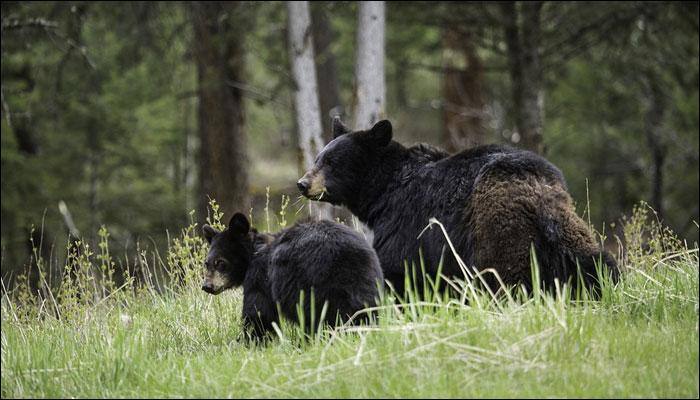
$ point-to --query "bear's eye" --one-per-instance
(219, 262)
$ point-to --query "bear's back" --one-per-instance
(463, 170)
(438, 183)
(435, 185)
(334, 260)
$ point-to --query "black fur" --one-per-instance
(396, 190)
(329, 259)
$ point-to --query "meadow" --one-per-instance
(155, 333)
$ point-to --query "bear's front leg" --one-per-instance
(258, 315)
(255, 329)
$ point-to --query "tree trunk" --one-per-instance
(370, 90)
(308, 114)
(533, 94)
(401, 83)
(20, 124)
(653, 125)
(369, 97)
(94, 145)
(464, 109)
(327, 79)
(328, 87)
(523, 43)
(218, 50)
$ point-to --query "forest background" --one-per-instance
(131, 115)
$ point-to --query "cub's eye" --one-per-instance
(219, 262)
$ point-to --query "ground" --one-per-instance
(639, 340)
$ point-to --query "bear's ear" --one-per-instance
(339, 128)
(381, 132)
(239, 224)
(209, 232)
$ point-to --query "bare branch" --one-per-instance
(6, 109)
(253, 92)
(445, 69)
(15, 23)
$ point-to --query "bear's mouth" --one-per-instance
(321, 196)
(214, 291)
(317, 196)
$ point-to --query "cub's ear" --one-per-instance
(339, 128)
(381, 132)
(209, 232)
(239, 224)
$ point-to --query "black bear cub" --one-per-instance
(326, 260)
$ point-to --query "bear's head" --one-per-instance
(229, 255)
(349, 165)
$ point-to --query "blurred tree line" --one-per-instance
(131, 114)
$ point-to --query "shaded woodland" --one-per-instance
(132, 115)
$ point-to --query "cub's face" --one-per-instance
(344, 168)
(229, 255)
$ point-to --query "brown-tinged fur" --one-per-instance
(317, 182)
(216, 280)
(506, 214)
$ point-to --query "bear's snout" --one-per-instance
(215, 282)
(312, 184)
(207, 287)
(303, 186)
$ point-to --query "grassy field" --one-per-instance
(92, 339)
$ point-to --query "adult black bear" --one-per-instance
(329, 259)
(494, 201)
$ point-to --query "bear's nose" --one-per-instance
(303, 186)
(208, 288)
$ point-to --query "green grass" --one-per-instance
(639, 340)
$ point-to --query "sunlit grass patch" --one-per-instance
(160, 335)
